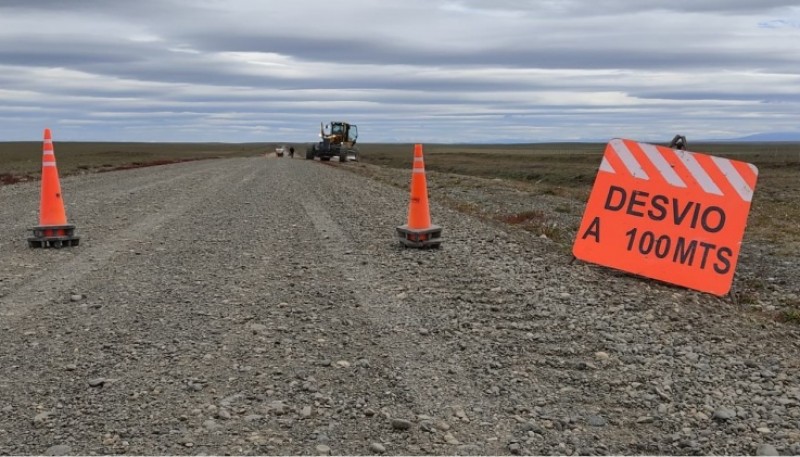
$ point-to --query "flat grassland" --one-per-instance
(568, 170)
(22, 160)
(563, 169)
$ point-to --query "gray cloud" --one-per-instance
(442, 70)
(571, 7)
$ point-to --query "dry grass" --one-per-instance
(557, 168)
(568, 170)
(22, 161)
(792, 315)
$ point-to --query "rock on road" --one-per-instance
(263, 306)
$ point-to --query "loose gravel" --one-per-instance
(264, 306)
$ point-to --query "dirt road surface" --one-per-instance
(263, 306)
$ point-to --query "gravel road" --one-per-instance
(263, 306)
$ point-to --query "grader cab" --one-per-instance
(337, 139)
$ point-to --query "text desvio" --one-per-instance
(657, 207)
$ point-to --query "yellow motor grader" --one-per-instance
(337, 139)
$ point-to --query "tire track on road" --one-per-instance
(412, 357)
(58, 280)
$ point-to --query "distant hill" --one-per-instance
(775, 136)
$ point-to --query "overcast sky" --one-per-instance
(403, 70)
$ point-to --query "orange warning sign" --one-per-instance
(667, 214)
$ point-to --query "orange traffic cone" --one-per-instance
(419, 232)
(53, 230)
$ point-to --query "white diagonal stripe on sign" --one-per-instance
(662, 165)
(605, 166)
(628, 159)
(733, 176)
(697, 171)
(754, 168)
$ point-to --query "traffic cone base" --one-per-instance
(53, 236)
(53, 230)
(430, 237)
